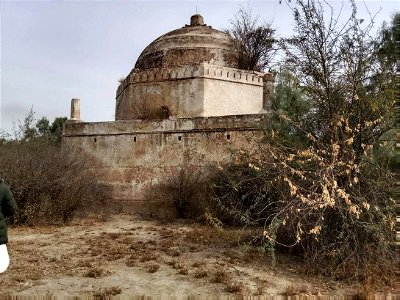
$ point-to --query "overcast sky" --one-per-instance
(52, 51)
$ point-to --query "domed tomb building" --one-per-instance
(184, 106)
(190, 72)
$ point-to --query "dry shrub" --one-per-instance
(147, 256)
(106, 292)
(131, 262)
(176, 264)
(220, 276)
(49, 185)
(341, 226)
(243, 195)
(198, 264)
(181, 195)
(234, 287)
(296, 289)
(183, 271)
(200, 273)
(261, 287)
(96, 272)
(152, 267)
(205, 235)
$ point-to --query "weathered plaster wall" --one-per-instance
(189, 91)
(224, 98)
(180, 97)
(131, 155)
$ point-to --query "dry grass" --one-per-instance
(220, 276)
(96, 272)
(109, 291)
(234, 287)
(183, 271)
(201, 273)
(147, 256)
(298, 289)
(142, 251)
(152, 267)
(261, 287)
(174, 251)
(198, 264)
(176, 264)
(131, 262)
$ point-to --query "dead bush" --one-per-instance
(49, 185)
(243, 195)
(294, 290)
(261, 287)
(220, 276)
(183, 271)
(200, 273)
(104, 293)
(96, 272)
(234, 287)
(152, 267)
(181, 195)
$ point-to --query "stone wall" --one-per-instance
(189, 91)
(132, 155)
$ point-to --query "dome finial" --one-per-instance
(196, 20)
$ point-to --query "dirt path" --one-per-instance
(129, 256)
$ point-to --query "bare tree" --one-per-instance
(254, 42)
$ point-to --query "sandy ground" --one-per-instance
(125, 255)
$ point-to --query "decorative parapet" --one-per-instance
(203, 70)
(232, 74)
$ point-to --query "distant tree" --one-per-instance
(253, 42)
(26, 128)
(56, 128)
(30, 128)
(386, 42)
(43, 126)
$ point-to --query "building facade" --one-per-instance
(184, 104)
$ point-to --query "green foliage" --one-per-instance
(26, 129)
(31, 128)
(244, 194)
(42, 126)
(290, 97)
(321, 183)
(56, 128)
(290, 100)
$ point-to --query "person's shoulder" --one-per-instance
(3, 185)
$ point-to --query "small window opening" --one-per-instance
(228, 136)
(134, 139)
(179, 138)
(95, 140)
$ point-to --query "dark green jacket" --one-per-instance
(7, 209)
